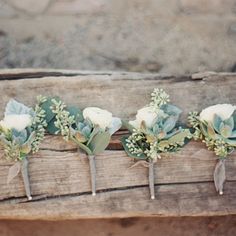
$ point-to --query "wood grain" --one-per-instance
(55, 171)
(123, 93)
(197, 199)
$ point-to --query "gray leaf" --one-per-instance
(15, 108)
(13, 171)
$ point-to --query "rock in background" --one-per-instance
(175, 37)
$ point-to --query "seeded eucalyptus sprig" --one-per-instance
(91, 129)
(216, 127)
(154, 132)
(21, 132)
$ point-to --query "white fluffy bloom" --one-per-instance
(146, 114)
(18, 122)
(97, 116)
(224, 111)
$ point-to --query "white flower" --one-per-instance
(97, 116)
(224, 111)
(146, 114)
(18, 122)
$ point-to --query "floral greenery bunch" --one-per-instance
(90, 129)
(216, 127)
(155, 131)
(21, 132)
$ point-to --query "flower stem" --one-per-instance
(93, 173)
(219, 175)
(25, 175)
(151, 179)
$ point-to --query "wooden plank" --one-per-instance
(56, 171)
(123, 93)
(197, 199)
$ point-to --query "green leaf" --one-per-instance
(76, 112)
(19, 136)
(123, 141)
(171, 110)
(170, 123)
(217, 122)
(230, 122)
(180, 137)
(96, 129)
(225, 131)
(211, 132)
(99, 142)
(51, 128)
(46, 106)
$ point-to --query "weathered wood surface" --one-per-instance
(59, 174)
(172, 200)
(121, 93)
(59, 169)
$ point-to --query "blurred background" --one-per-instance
(166, 36)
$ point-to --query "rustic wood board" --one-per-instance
(59, 174)
(197, 199)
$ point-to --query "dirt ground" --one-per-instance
(184, 226)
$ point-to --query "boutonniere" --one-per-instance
(154, 132)
(90, 129)
(21, 131)
(216, 127)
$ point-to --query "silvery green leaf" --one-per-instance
(96, 129)
(99, 142)
(15, 108)
(230, 122)
(19, 137)
(127, 125)
(86, 131)
(115, 125)
(211, 132)
(171, 109)
(233, 134)
(169, 123)
(217, 122)
(13, 171)
(225, 131)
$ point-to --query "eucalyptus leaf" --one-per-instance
(46, 106)
(76, 112)
(171, 110)
(123, 141)
(99, 142)
(96, 129)
(51, 128)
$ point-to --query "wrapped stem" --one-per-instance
(219, 175)
(92, 173)
(25, 175)
(151, 179)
